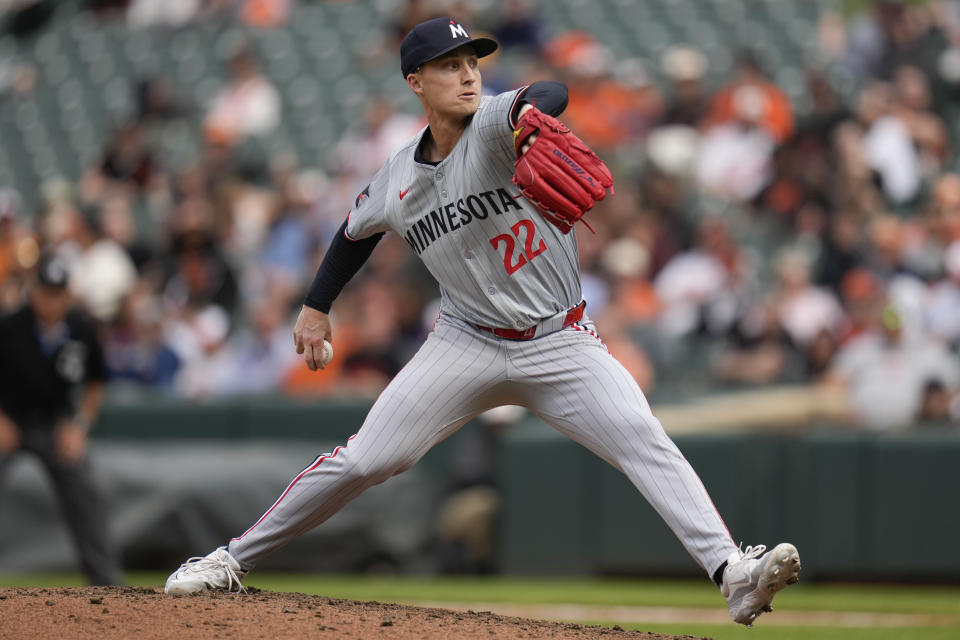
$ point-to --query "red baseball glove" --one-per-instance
(558, 173)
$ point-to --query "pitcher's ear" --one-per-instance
(413, 80)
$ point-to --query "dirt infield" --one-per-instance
(103, 613)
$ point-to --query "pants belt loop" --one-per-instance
(573, 314)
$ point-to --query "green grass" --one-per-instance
(942, 600)
(650, 593)
(45, 580)
(760, 632)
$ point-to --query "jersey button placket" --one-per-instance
(439, 178)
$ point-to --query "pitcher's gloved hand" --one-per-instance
(557, 171)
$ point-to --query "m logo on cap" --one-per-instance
(429, 40)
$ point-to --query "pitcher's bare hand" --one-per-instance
(312, 328)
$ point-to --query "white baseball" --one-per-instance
(326, 353)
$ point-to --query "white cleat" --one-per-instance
(752, 578)
(218, 570)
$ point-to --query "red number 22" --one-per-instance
(529, 231)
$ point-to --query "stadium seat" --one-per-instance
(87, 68)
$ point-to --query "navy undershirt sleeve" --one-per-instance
(548, 96)
(342, 261)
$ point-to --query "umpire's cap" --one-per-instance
(431, 39)
(53, 271)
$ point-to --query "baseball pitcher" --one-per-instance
(488, 195)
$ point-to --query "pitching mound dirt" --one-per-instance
(134, 612)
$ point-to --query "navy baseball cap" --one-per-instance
(431, 39)
(53, 271)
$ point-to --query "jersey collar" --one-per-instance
(418, 154)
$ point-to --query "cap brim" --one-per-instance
(44, 281)
(483, 47)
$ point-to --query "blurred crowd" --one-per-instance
(755, 238)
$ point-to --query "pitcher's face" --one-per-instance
(449, 85)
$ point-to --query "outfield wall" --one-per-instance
(184, 478)
(858, 506)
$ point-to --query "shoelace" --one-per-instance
(198, 563)
(752, 552)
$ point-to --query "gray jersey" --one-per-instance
(498, 262)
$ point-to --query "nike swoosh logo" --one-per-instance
(403, 193)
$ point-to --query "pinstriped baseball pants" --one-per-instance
(567, 378)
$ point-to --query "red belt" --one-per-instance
(575, 314)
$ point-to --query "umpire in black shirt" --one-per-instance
(52, 377)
